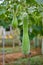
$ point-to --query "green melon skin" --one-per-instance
(25, 41)
(14, 22)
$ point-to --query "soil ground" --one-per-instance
(15, 56)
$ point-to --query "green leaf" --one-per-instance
(2, 11)
(31, 9)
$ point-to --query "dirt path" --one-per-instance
(15, 56)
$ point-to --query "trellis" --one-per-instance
(3, 38)
(3, 41)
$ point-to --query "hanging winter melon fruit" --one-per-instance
(26, 41)
(14, 21)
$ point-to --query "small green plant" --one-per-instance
(37, 60)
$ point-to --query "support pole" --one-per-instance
(3, 41)
(42, 45)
